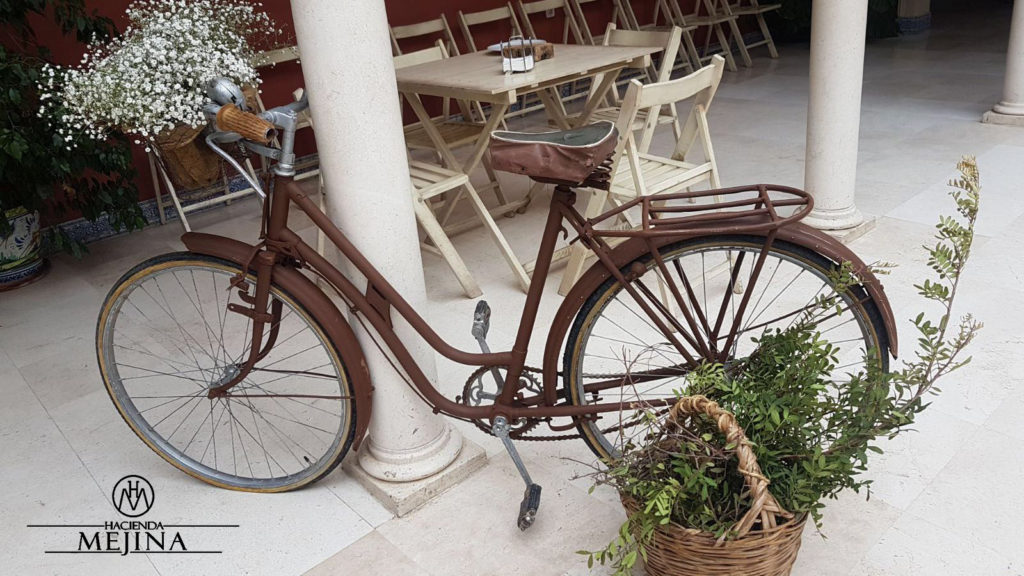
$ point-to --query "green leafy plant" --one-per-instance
(812, 430)
(37, 169)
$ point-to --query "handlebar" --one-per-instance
(233, 123)
(230, 118)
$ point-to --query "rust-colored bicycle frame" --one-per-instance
(660, 225)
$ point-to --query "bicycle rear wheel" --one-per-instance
(615, 353)
(165, 336)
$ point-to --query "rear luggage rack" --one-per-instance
(723, 217)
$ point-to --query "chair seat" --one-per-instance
(429, 180)
(660, 175)
(455, 134)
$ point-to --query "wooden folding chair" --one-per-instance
(625, 19)
(754, 9)
(670, 39)
(437, 27)
(500, 14)
(570, 28)
(636, 171)
(430, 181)
(706, 14)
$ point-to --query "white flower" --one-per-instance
(152, 78)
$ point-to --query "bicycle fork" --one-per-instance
(260, 318)
(500, 428)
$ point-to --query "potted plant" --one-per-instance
(150, 82)
(726, 483)
(41, 174)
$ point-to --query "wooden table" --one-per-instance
(478, 77)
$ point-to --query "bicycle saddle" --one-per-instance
(567, 157)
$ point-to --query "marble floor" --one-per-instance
(944, 500)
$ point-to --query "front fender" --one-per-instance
(313, 298)
(623, 254)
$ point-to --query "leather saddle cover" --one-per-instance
(569, 155)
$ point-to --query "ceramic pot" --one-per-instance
(20, 261)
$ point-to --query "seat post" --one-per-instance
(562, 195)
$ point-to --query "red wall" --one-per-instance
(279, 82)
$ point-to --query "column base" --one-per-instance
(402, 498)
(392, 465)
(994, 117)
(847, 235)
(832, 220)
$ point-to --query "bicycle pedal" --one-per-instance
(481, 321)
(529, 506)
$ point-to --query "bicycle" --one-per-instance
(236, 344)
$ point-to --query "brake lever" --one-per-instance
(214, 138)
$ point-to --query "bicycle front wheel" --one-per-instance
(165, 336)
(616, 353)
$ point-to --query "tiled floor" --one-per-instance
(945, 500)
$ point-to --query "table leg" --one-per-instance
(554, 109)
(597, 97)
(497, 114)
(432, 132)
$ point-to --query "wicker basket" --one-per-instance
(766, 539)
(189, 163)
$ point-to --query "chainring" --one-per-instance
(481, 387)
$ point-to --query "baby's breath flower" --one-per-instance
(152, 77)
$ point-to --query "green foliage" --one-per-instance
(811, 429)
(37, 169)
(792, 22)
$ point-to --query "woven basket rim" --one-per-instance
(675, 527)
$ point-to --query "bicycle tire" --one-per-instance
(255, 399)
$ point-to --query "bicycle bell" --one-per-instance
(223, 91)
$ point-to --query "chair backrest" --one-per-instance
(700, 87)
(570, 29)
(668, 40)
(437, 26)
(506, 13)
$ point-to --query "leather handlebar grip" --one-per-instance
(251, 127)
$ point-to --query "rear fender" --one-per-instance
(623, 254)
(316, 302)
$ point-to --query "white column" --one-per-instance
(833, 112)
(350, 78)
(1010, 110)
